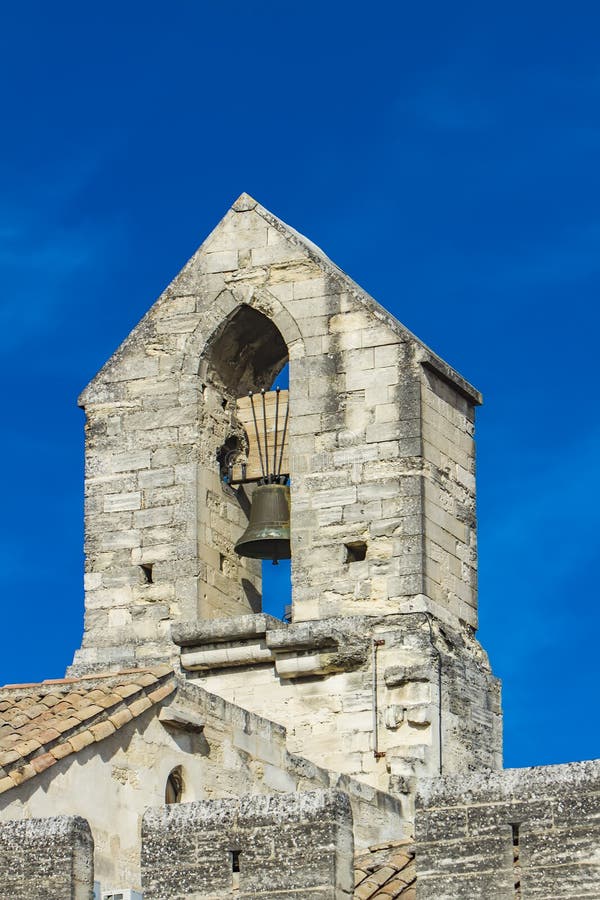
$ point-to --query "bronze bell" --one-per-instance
(268, 533)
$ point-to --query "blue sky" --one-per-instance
(445, 155)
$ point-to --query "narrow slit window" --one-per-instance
(235, 860)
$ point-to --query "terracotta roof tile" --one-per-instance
(87, 712)
(23, 773)
(26, 748)
(161, 692)
(46, 736)
(44, 722)
(385, 872)
(62, 750)
(140, 706)
(81, 739)
(43, 762)
(50, 700)
(109, 700)
(8, 756)
(102, 730)
(66, 724)
(126, 690)
(121, 717)
(145, 679)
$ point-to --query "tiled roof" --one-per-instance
(385, 872)
(42, 723)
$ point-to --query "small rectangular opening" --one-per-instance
(356, 551)
(235, 860)
(147, 573)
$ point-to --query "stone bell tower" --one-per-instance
(381, 649)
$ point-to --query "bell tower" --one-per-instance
(377, 473)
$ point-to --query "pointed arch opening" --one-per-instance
(247, 352)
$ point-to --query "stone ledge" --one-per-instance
(216, 631)
(497, 787)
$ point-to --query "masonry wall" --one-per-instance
(450, 538)
(385, 699)
(228, 752)
(46, 859)
(160, 523)
(294, 846)
(521, 833)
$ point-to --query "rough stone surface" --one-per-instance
(525, 833)
(380, 444)
(112, 776)
(422, 696)
(293, 846)
(46, 859)
(381, 457)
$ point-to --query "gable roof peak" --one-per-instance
(244, 202)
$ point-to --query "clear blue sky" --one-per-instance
(446, 155)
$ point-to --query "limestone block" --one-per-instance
(154, 478)
(159, 515)
(335, 497)
(251, 653)
(355, 322)
(138, 365)
(120, 502)
(120, 540)
(222, 261)
(125, 462)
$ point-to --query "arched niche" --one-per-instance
(245, 352)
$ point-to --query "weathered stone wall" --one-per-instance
(222, 751)
(521, 833)
(384, 699)
(46, 859)
(448, 423)
(382, 513)
(294, 846)
(364, 443)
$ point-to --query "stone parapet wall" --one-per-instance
(521, 833)
(298, 847)
(46, 859)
